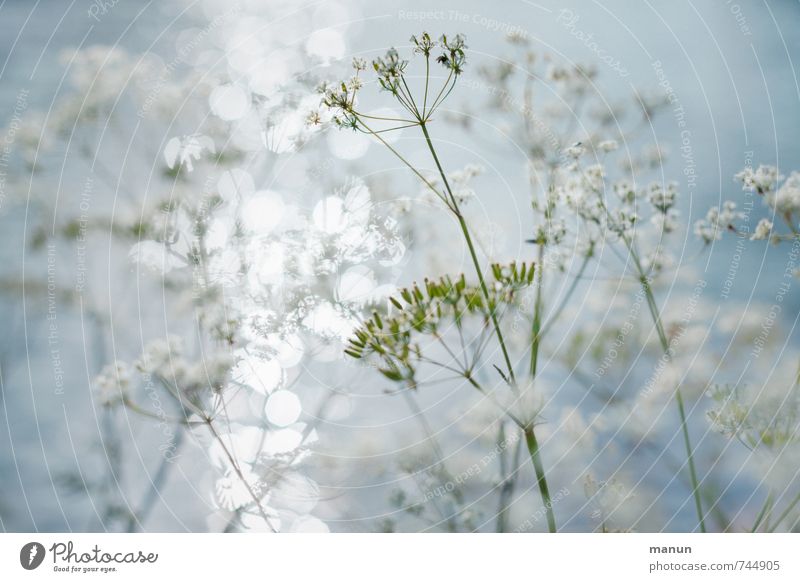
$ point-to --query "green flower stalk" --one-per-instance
(342, 101)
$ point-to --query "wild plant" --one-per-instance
(572, 192)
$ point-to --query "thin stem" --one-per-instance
(239, 474)
(411, 98)
(427, 79)
(533, 449)
(785, 513)
(442, 365)
(401, 98)
(448, 349)
(379, 118)
(399, 127)
(469, 378)
(567, 296)
(436, 105)
(698, 502)
(530, 437)
(536, 335)
(766, 508)
(654, 313)
(139, 410)
(400, 157)
(436, 101)
(465, 230)
(652, 306)
(480, 344)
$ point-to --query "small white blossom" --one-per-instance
(662, 198)
(625, 191)
(595, 175)
(762, 180)
(666, 222)
(763, 230)
(787, 199)
(575, 151)
(608, 145)
(716, 221)
(112, 384)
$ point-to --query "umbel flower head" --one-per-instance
(428, 311)
(780, 195)
(770, 421)
(391, 68)
(452, 56)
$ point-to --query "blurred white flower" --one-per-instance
(763, 230)
(112, 385)
(181, 151)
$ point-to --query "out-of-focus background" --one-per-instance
(730, 68)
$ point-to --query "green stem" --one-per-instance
(427, 79)
(408, 164)
(556, 313)
(234, 465)
(530, 437)
(536, 335)
(465, 230)
(644, 279)
(654, 313)
(533, 449)
(767, 507)
(785, 513)
(698, 501)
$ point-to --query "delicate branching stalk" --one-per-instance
(256, 499)
(644, 280)
(536, 330)
(391, 76)
(784, 514)
(765, 510)
(662, 201)
(556, 313)
(536, 458)
(672, 463)
(475, 262)
(392, 339)
(530, 436)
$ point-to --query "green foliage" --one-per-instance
(425, 311)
